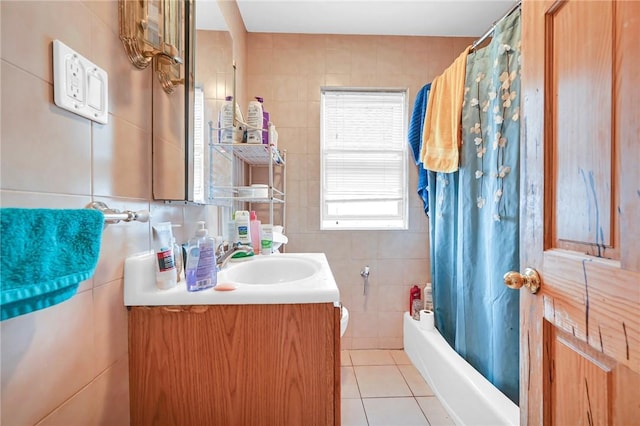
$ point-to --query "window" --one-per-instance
(363, 159)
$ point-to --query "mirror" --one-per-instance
(214, 80)
(181, 155)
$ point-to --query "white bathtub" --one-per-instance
(468, 397)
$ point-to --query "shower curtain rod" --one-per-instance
(493, 27)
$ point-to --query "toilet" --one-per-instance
(344, 319)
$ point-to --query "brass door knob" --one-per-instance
(529, 279)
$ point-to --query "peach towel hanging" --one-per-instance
(441, 134)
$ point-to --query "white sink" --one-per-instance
(278, 278)
(275, 269)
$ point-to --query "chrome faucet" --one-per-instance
(223, 254)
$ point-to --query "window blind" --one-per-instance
(363, 156)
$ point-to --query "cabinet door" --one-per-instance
(234, 365)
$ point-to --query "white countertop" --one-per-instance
(140, 287)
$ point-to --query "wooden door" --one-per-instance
(580, 334)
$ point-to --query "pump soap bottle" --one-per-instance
(201, 270)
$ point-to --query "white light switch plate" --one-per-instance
(79, 85)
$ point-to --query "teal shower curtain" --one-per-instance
(474, 217)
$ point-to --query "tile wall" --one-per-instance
(67, 364)
(288, 71)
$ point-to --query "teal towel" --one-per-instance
(45, 254)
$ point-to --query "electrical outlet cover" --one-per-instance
(79, 85)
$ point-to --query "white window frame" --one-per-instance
(339, 203)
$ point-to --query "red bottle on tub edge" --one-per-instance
(415, 302)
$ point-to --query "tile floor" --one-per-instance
(383, 388)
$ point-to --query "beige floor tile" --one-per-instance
(415, 381)
(400, 357)
(371, 357)
(381, 381)
(393, 411)
(353, 413)
(435, 412)
(345, 359)
(348, 383)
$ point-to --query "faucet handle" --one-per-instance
(222, 248)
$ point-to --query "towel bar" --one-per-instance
(115, 216)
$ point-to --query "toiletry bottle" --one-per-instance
(232, 234)
(243, 230)
(255, 232)
(428, 297)
(254, 120)
(265, 126)
(166, 275)
(266, 239)
(226, 120)
(415, 302)
(201, 269)
(178, 260)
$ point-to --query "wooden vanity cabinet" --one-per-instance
(208, 365)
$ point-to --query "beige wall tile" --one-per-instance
(121, 160)
(394, 298)
(287, 41)
(168, 105)
(364, 324)
(44, 148)
(363, 62)
(283, 61)
(364, 246)
(417, 271)
(263, 85)
(403, 245)
(389, 322)
(314, 82)
(288, 88)
(313, 193)
(338, 80)
(312, 61)
(110, 319)
(47, 356)
(105, 401)
(313, 115)
(294, 196)
(391, 61)
(365, 343)
(260, 41)
(29, 28)
(33, 200)
(338, 61)
(129, 87)
(293, 139)
(168, 166)
(104, 10)
(391, 271)
(390, 342)
(289, 114)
